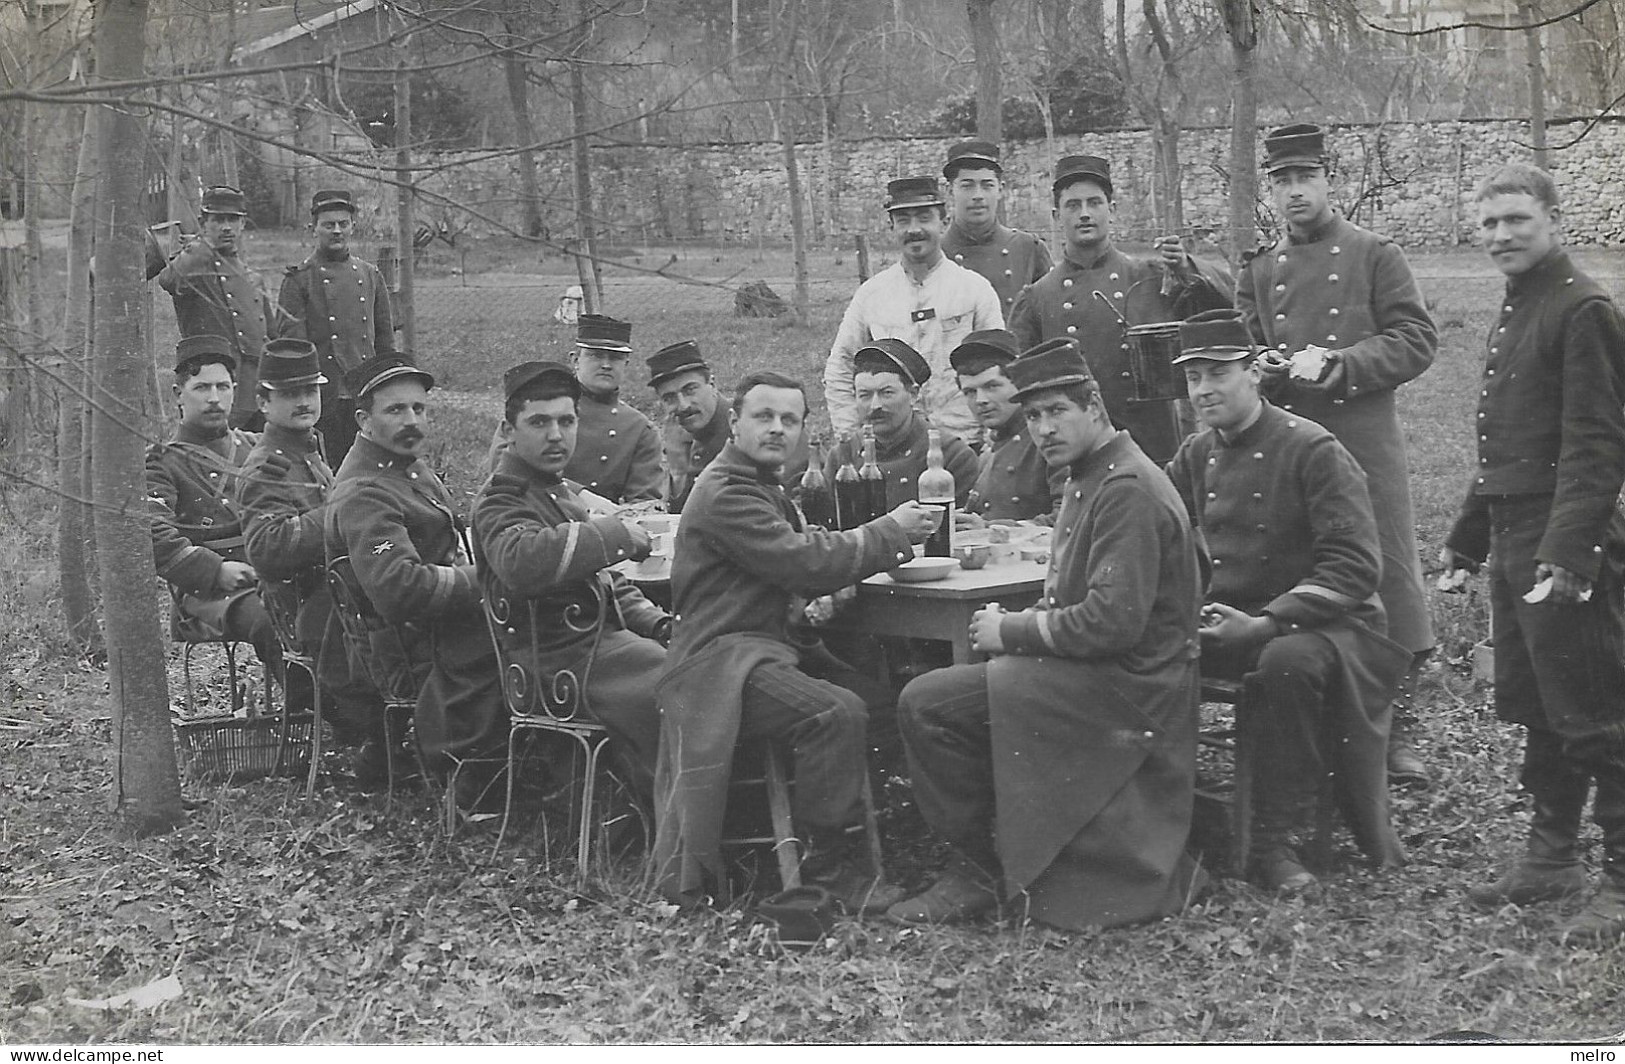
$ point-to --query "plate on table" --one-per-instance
(921, 570)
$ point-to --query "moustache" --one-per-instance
(406, 436)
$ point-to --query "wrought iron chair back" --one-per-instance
(283, 601)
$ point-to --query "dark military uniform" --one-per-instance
(1284, 513)
(1551, 461)
(393, 517)
(687, 455)
(1009, 258)
(617, 451)
(535, 541)
(902, 460)
(196, 528)
(342, 306)
(1351, 291)
(1015, 483)
(282, 491)
(217, 295)
(1063, 304)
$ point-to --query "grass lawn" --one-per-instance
(344, 919)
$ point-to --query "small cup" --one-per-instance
(973, 557)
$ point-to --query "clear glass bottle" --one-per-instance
(936, 488)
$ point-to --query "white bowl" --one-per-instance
(921, 570)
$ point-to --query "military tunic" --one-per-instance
(903, 458)
(1283, 511)
(1351, 291)
(686, 455)
(392, 516)
(1009, 258)
(218, 295)
(282, 493)
(617, 451)
(536, 544)
(1063, 304)
(1015, 483)
(1088, 717)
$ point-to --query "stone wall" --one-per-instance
(1412, 180)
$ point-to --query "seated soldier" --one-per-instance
(1292, 604)
(696, 426)
(392, 516)
(886, 381)
(739, 668)
(534, 540)
(197, 535)
(1015, 483)
(282, 491)
(1062, 770)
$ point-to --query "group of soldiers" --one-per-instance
(1260, 529)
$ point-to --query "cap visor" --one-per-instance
(294, 382)
(396, 372)
(604, 345)
(1049, 385)
(1212, 354)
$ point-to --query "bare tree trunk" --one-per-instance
(1527, 13)
(405, 219)
(1242, 23)
(785, 26)
(146, 787)
(1168, 196)
(75, 553)
(514, 68)
(984, 35)
(586, 238)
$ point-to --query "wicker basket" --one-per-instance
(244, 748)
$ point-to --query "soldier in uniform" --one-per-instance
(216, 294)
(1096, 292)
(696, 424)
(1292, 604)
(1015, 483)
(535, 541)
(924, 299)
(1062, 770)
(282, 492)
(1543, 507)
(890, 378)
(392, 516)
(1009, 258)
(340, 303)
(1329, 284)
(617, 451)
(740, 668)
(197, 533)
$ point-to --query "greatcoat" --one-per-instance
(218, 295)
(1349, 290)
(1009, 258)
(1064, 304)
(342, 306)
(1015, 483)
(617, 451)
(688, 453)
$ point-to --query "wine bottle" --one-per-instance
(851, 501)
(817, 504)
(874, 481)
(936, 487)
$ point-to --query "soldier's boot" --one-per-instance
(1550, 869)
(1603, 919)
(1405, 765)
(967, 889)
(838, 861)
(1278, 816)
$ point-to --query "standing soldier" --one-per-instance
(341, 304)
(1543, 507)
(1095, 292)
(216, 294)
(696, 417)
(617, 451)
(1009, 258)
(1345, 326)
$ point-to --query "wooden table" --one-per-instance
(941, 609)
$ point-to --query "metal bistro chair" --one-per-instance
(282, 601)
(191, 634)
(381, 648)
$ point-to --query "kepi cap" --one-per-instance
(289, 362)
(1072, 168)
(603, 332)
(892, 356)
(526, 372)
(1052, 364)
(332, 199)
(972, 155)
(908, 192)
(206, 348)
(1296, 145)
(984, 348)
(682, 357)
(382, 368)
(224, 199)
(1215, 335)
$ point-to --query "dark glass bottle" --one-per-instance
(851, 501)
(874, 481)
(817, 502)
